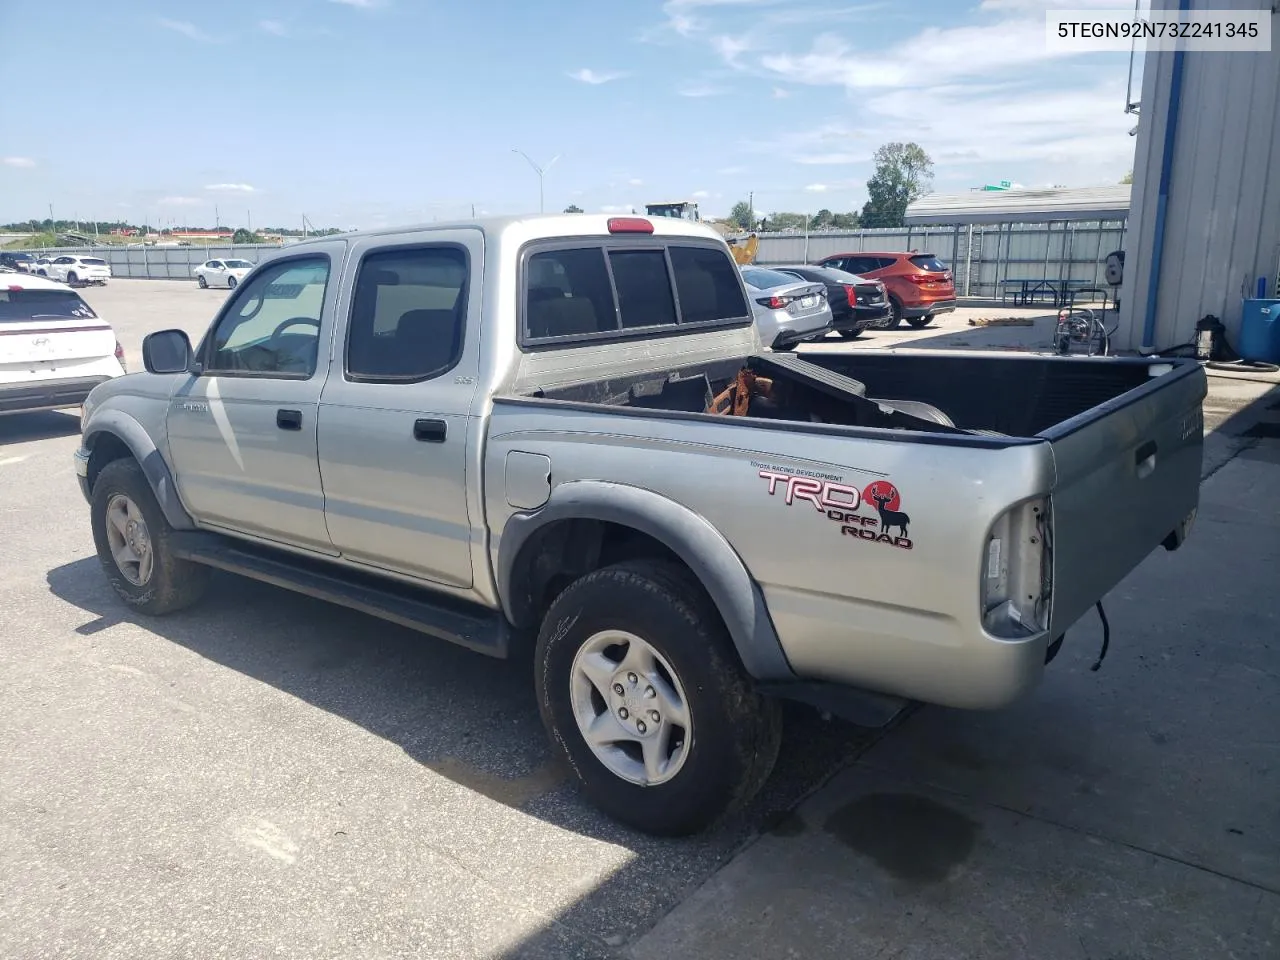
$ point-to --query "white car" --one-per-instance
(53, 348)
(222, 273)
(76, 268)
(41, 266)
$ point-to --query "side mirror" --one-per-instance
(167, 351)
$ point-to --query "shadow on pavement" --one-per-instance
(466, 717)
(40, 425)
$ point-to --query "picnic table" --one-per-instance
(1060, 293)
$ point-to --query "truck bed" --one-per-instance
(997, 397)
(1113, 444)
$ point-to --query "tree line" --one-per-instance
(903, 174)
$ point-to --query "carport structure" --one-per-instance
(1049, 244)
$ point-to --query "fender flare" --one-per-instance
(134, 436)
(689, 536)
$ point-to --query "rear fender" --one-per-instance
(689, 536)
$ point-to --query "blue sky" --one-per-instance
(361, 113)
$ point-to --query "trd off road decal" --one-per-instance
(873, 514)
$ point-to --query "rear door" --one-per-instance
(49, 334)
(395, 413)
(1128, 475)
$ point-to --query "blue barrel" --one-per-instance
(1260, 331)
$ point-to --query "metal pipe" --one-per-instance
(1162, 198)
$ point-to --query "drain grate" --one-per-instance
(1264, 430)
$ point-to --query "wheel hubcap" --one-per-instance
(129, 540)
(631, 708)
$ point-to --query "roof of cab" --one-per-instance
(534, 226)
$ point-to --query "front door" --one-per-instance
(242, 434)
(395, 411)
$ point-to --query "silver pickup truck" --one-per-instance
(564, 431)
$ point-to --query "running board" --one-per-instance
(471, 626)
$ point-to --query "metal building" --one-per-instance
(1205, 218)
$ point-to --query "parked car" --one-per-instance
(856, 304)
(17, 261)
(566, 426)
(787, 310)
(222, 273)
(76, 269)
(920, 286)
(40, 266)
(53, 348)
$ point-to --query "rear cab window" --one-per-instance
(18, 306)
(591, 289)
(927, 261)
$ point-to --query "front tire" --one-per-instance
(849, 334)
(203, 283)
(644, 697)
(134, 543)
(919, 323)
(72, 278)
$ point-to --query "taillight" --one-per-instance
(1017, 571)
(120, 355)
(920, 278)
(774, 303)
(852, 293)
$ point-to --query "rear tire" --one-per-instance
(203, 283)
(919, 323)
(895, 314)
(849, 334)
(711, 739)
(231, 283)
(156, 585)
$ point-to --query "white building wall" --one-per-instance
(1222, 219)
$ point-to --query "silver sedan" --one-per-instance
(787, 310)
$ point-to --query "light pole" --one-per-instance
(541, 172)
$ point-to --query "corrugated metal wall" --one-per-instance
(981, 257)
(1222, 220)
(162, 263)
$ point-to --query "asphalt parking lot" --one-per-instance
(266, 775)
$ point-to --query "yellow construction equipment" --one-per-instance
(743, 248)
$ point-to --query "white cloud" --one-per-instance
(617, 208)
(816, 188)
(702, 90)
(635, 182)
(180, 202)
(187, 29)
(22, 163)
(699, 194)
(274, 27)
(731, 49)
(595, 77)
(780, 94)
(231, 188)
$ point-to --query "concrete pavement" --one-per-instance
(1129, 813)
(266, 775)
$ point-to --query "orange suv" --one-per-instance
(919, 285)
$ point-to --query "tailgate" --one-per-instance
(1128, 475)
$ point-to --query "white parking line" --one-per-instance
(8, 460)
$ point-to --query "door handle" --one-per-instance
(289, 419)
(430, 431)
(1144, 459)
